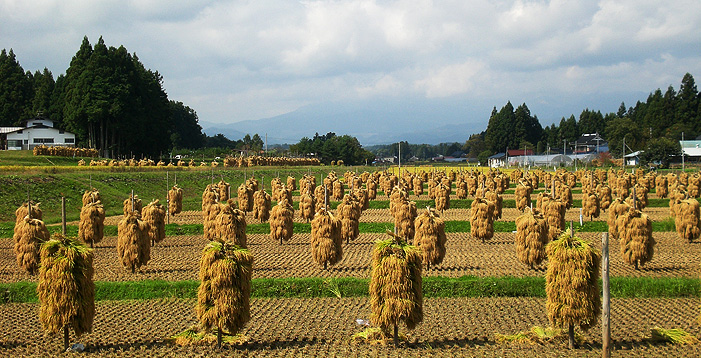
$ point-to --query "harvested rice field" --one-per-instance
(454, 325)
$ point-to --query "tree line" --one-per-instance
(663, 117)
(655, 126)
(107, 98)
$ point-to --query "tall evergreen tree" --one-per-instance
(43, 85)
(15, 91)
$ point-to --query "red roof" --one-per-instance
(519, 152)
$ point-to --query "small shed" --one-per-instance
(497, 160)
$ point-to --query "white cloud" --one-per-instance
(234, 60)
(451, 80)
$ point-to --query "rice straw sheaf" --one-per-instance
(245, 197)
(395, 285)
(321, 197)
(661, 188)
(326, 241)
(349, 212)
(590, 204)
(418, 186)
(154, 214)
(261, 205)
(523, 196)
(497, 199)
(482, 219)
(223, 298)
(175, 200)
(617, 208)
(23, 211)
(230, 225)
(92, 223)
(281, 221)
(133, 242)
(637, 244)
(210, 196)
(429, 237)
(604, 193)
(291, 183)
(572, 282)
(338, 190)
(404, 216)
(91, 196)
(128, 207)
(28, 236)
(531, 238)
(371, 186)
(223, 188)
(554, 214)
(306, 207)
(687, 220)
(442, 197)
(66, 290)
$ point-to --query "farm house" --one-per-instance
(37, 131)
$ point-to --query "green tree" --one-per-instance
(620, 128)
(661, 150)
(15, 91)
(186, 131)
(43, 85)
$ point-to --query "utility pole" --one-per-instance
(624, 153)
(682, 151)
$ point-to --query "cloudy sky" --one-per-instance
(241, 60)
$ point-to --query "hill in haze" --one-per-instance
(372, 122)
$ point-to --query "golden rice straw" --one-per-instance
(66, 290)
(429, 237)
(572, 283)
(154, 214)
(281, 221)
(261, 205)
(92, 223)
(133, 244)
(326, 241)
(223, 298)
(531, 238)
(395, 286)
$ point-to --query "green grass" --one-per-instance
(116, 184)
(6, 229)
(466, 286)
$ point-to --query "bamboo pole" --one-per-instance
(63, 215)
(606, 309)
(167, 198)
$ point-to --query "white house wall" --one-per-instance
(32, 137)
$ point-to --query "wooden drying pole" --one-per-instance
(606, 309)
(167, 198)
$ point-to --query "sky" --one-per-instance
(245, 60)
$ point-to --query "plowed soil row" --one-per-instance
(384, 215)
(177, 258)
(322, 327)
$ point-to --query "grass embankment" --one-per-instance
(116, 184)
(467, 286)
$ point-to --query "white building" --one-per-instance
(38, 131)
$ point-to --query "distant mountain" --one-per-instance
(372, 122)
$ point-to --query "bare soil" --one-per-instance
(322, 327)
(177, 258)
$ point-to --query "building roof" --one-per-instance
(633, 155)
(4, 130)
(497, 156)
(590, 139)
(519, 152)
